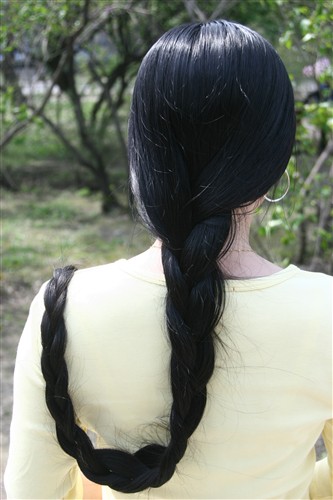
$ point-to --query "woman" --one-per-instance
(203, 369)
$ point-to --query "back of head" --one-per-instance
(212, 123)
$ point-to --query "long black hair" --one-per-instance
(211, 129)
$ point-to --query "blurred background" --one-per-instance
(67, 72)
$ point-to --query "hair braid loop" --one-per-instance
(116, 468)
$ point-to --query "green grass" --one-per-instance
(61, 228)
(35, 142)
(37, 158)
(54, 218)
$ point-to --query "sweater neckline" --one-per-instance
(232, 284)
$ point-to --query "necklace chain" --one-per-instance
(231, 250)
(241, 250)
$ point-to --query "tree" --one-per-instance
(89, 51)
(306, 232)
(58, 34)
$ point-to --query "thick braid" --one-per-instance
(193, 307)
(190, 276)
(120, 470)
(54, 368)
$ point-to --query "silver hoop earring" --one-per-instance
(284, 194)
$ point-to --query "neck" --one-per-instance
(241, 242)
(240, 261)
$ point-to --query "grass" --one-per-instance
(61, 228)
(37, 144)
(37, 159)
(54, 218)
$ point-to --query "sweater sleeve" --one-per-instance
(37, 466)
(322, 484)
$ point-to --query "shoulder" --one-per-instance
(310, 300)
(98, 277)
(107, 306)
(111, 286)
(119, 275)
(313, 285)
(312, 288)
(318, 278)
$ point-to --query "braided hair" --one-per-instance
(211, 129)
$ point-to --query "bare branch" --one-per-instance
(113, 107)
(325, 214)
(37, 111)
(117, 73)
(223, 7)
(194, 11)
(316, 168)
(196, 14)
(6, 180)
(64, 139)
(100, 19)
(87, 28)
(109, 199)
(86, 11)
(303, 238)
(80, 118)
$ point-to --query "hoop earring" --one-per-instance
(284, 194)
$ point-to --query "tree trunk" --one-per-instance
(109, 201)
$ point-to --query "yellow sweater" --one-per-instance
(269, 399)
